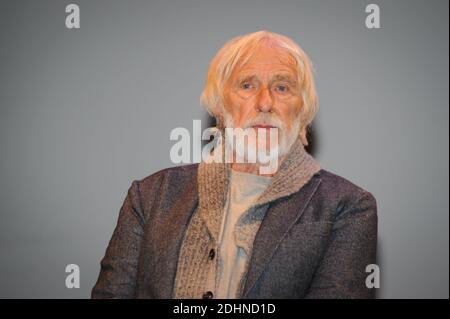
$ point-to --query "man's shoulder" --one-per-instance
(334, 185)
(178, 171)
(178, 176)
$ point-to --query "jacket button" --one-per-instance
(208, 295)
(212, 254)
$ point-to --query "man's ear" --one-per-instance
(220, 122)
(303, 136)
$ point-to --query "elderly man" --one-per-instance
(226, 230)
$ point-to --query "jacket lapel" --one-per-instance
(280, 217)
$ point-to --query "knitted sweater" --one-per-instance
(196, 273)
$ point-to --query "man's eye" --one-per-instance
(282, 88)
(246, 86)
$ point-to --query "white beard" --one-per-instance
(280, 147)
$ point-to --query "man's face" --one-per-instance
(264, 93)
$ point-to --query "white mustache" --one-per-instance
(264, 120)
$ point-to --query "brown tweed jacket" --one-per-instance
(315, 243)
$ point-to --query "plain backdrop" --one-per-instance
(85, 112)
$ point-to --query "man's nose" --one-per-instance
(264, 101)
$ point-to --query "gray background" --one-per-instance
(85, 112)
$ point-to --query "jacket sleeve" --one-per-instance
(352, 246)
(118, 269)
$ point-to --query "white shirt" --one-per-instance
(244, 190)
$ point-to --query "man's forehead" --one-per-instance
(267, 63)
(270, 70)
(288, 76)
